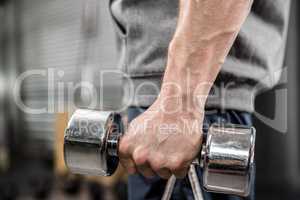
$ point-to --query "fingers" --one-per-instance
(134, 161)
(140, 157)
(158, 164)
(129, 165)
(180, 173)
(179, 166)
(146, 170)
(147, 163)
(125, 156)
(164, 173)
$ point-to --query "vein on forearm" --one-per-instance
(205, 33)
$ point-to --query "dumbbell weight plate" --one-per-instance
(87, 149)
(228, 159)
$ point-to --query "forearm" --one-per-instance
(205, 33)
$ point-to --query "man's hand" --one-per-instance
(164, 140)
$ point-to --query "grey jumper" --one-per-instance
(145, 28)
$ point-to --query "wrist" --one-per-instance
(176, 97)
(186, 79)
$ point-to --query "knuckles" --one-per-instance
(158, 162)
(140, 156)
(177, 163)
(124, 146)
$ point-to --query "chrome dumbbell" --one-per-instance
(227, 155)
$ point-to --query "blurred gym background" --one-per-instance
(74, 39)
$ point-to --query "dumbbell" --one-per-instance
(227, 155)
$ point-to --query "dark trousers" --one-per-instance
(140, 188)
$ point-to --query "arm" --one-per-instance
(167, 137)
(205, 34)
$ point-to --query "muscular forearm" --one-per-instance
(205, 33)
